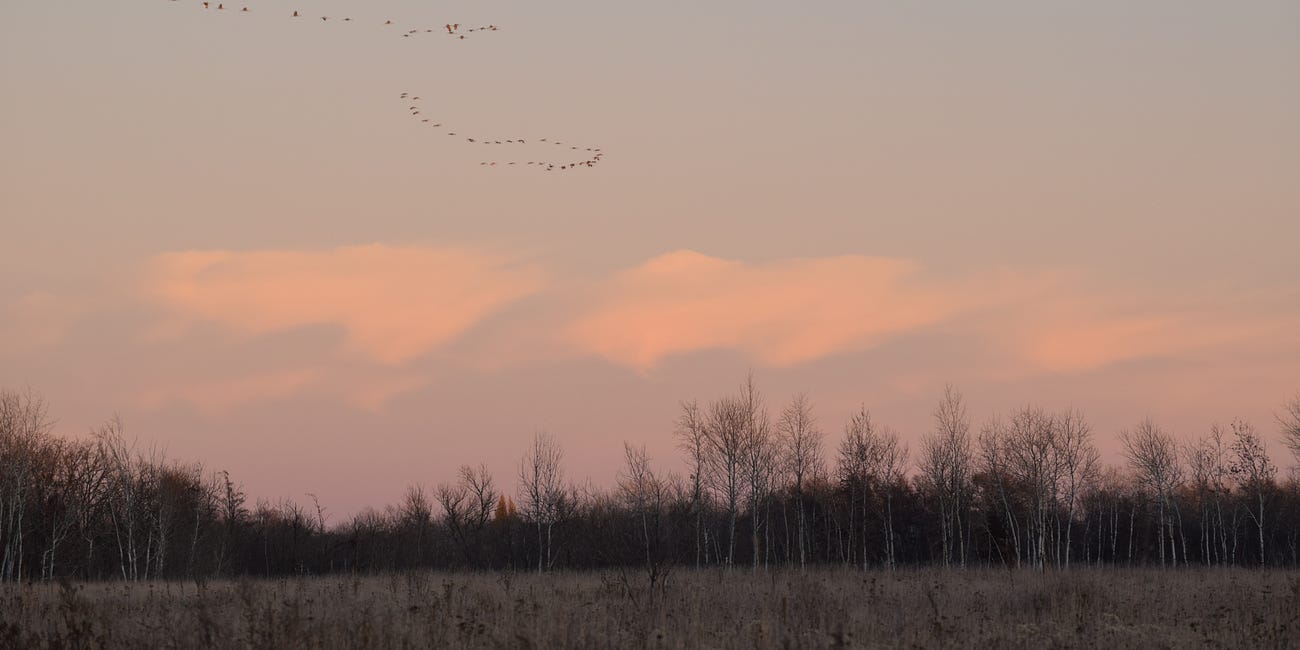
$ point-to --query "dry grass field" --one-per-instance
(695, 609)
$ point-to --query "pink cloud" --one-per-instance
(791, 311)
(1089, 334)
(780, 313)
(394, 303)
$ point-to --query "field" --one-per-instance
(705, 609)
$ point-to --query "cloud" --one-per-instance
(1081, 335)
(779, 313)
(394, 303)
(786, 312)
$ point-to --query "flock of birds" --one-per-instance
(590, 155)
(563, 157)
(452, 29)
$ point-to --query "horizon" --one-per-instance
(506, 477)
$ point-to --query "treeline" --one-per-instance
(759, 489)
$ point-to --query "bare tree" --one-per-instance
(946, 461)
(1289, 420)
(1052, 459)
(692, 438)
(453, 498)
(169, 498)
(1030, 447)
(320, 511)
(995, 464)
(859, 460)
(801, 443)
(725, 429)
(482, 494)
(1208, 463)
(1254, 472)
(294, 527)
(644, 493)
(1153, 455)
(72, 484)
(234, 515)
(24, 425)
(1078, 462)
(468, 506)
(105, 506)
(541, 480)
(759, 459)
(202, 510)
(892, 466)
(415, 518)
(128, 485)
(872, 463)
(1199, 460)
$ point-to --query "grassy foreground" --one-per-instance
(706, 609)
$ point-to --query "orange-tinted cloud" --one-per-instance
(395, 303)
(779, 313)
(791, 311)
(1094, 333)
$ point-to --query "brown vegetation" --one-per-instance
(1111, 608)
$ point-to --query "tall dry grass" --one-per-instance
(1109, 608)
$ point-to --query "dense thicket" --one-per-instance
(1025, 488)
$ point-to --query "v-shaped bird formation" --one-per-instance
(547, 154)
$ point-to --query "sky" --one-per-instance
(228, 229)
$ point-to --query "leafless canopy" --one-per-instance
(946, 459)
(1152, 453)
(1289, 421)
(541, 482)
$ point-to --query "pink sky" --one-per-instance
(227, 228)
